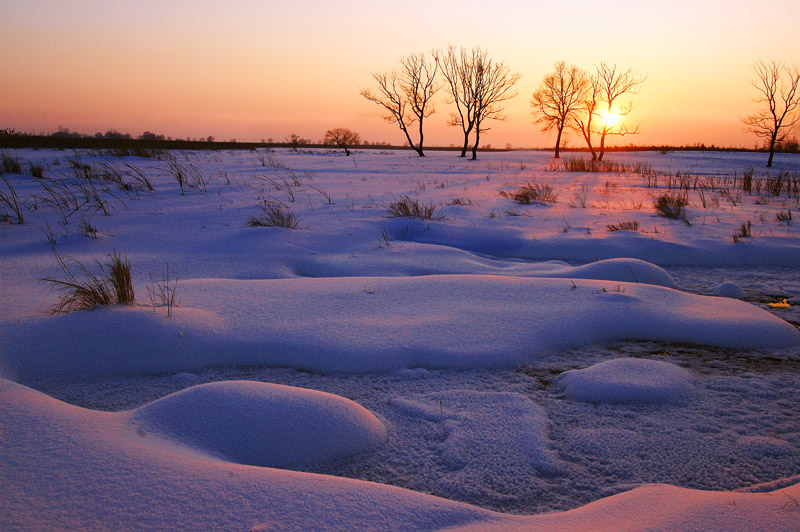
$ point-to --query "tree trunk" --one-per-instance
(346, 151)
(419, 150)
(466, 145)
(558, 143)
(602, 145)
(475, 146)
(410, 143)
(771, 151)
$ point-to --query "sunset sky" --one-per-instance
(253, 70)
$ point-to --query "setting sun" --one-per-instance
(611, 118)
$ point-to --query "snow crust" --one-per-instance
(629, 380)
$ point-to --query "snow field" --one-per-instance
(356, 292)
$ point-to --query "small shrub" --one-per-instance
(87, 229)
(11, 200)
(36, 170)
(533, 193)
(784, 216)
(744, 232)
(411, 208)
(10, 165)
(747, 179)
(112, 286)
(274, 216)
(632, 225)
(671, 205)
(163, 292)
(187, 175)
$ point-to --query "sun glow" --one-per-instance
(611, 118)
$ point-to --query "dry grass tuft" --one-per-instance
(533, 193)
(274, 215)
(112, 286)
(411, 208)
(671, 205)
(632, 225)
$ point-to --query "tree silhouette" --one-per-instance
(613, 84)
(492, 82)
(458, 68)
(559, 98)
(406, 95)
(582, 121)
(342, 137)
(779, 98)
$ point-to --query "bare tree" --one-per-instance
(614, 84)
(558, 99)
(492, 84)
(294, 140)
(406, 95)
(582, 121)
(342, 137)
(458, 69)
(781, 98)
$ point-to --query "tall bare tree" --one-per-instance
(614, 84)
(492, 82)
(780, 98)
(583, 120)
(406, 95)
(342, 137)
(458, 68)
(558, 99)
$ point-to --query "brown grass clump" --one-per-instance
(112, 286)
(411, 208)
(632, 225)
(671, 205)
(274, 216)
(533, 193)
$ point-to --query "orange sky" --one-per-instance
(261, 69)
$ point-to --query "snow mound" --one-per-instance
(262, 424)
(728, 289)
(629, 380)
(379, 324)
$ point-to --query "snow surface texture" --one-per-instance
(626, 380)
(69, 468)
(352, 290)
(601, 448)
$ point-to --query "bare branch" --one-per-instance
(343, 138)
(407, 95)
(559, 98)
(779, 89)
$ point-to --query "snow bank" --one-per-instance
(376, 324)
(65, 467)
(629, 380)
(261, 424)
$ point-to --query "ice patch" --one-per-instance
(262, 424)
(629, 380)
